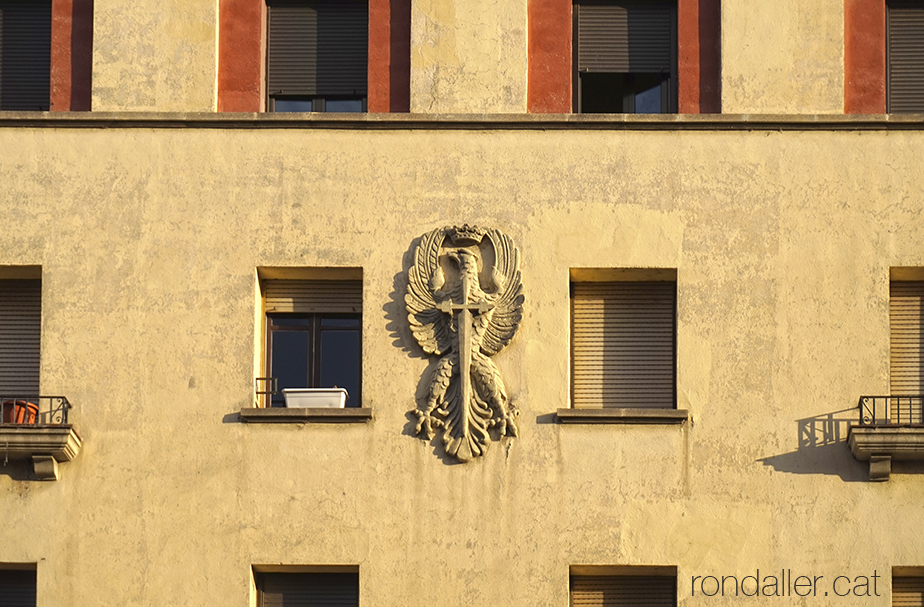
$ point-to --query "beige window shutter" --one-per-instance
(623, 344)
(20, 337)
(906, 366)
(623, 591)
(908, 592)
(309, 296)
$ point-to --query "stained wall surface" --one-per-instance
(149, 238)
(783, 57)
(155, 55)
(468, 56)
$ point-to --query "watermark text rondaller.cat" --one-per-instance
(784, 583)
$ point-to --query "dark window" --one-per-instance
(25, 54)
(315, 351)
(625, 56)
(308, 589)
(314, 336)
(20, 337)
(905, 56)
(623, 590)
(317, 55)
(17, 587)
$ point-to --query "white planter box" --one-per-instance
(327, 398)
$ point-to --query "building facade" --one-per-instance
(701, 320)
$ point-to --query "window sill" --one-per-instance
(282, 415)
(623, 416)
(879, 445)
(45, 445)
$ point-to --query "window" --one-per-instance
(623, 586)
(20, 336)
(307, 589)
(17, 585)
(313, 336)
(623, 338)
(907, 587)
(625, 56)
(317, 55)
(25, 54)
(905, 51)
(906, 366)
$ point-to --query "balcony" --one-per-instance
(890, 427)
(36, 428)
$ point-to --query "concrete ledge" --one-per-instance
(623, 416)
(24, 441)
(275, 415)
(524, 121)
(44, 445)
(898, 442)
(879, 445)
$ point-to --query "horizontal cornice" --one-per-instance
(485, 122)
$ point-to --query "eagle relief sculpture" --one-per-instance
(465, 301)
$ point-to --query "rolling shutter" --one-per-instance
(309, 590)
(908, 592)
(623, 344)
(623, 591)
(309, 296)
(906, 56)
(628, 36)
(17, 588)
(906, 366)
(317, 47)
(20, 336)
(25, 54)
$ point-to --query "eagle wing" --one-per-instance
(508, 300)
(431, 328)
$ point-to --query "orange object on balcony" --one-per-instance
(19, 412)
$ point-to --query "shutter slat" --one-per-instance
(623, 591)
(309, 296)
(906, 56)
(908, 592)
(317, 47)
(25, 54)
(623, 348)
(20, 336)
(628, 36)
(905, 356)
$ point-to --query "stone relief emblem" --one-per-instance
(465, 301)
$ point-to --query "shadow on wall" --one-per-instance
(823, 448)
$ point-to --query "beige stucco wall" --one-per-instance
(148, 240)
(785, 56)
(468, 56)
(155, 55)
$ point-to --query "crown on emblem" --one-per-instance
(466, 235)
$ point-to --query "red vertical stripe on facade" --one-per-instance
(698, 57)
(240, 55)
(389, 56)
(864, 57)
(549, 72)
(71, 55)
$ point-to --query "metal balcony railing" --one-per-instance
(891, 410)
(19, 409)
